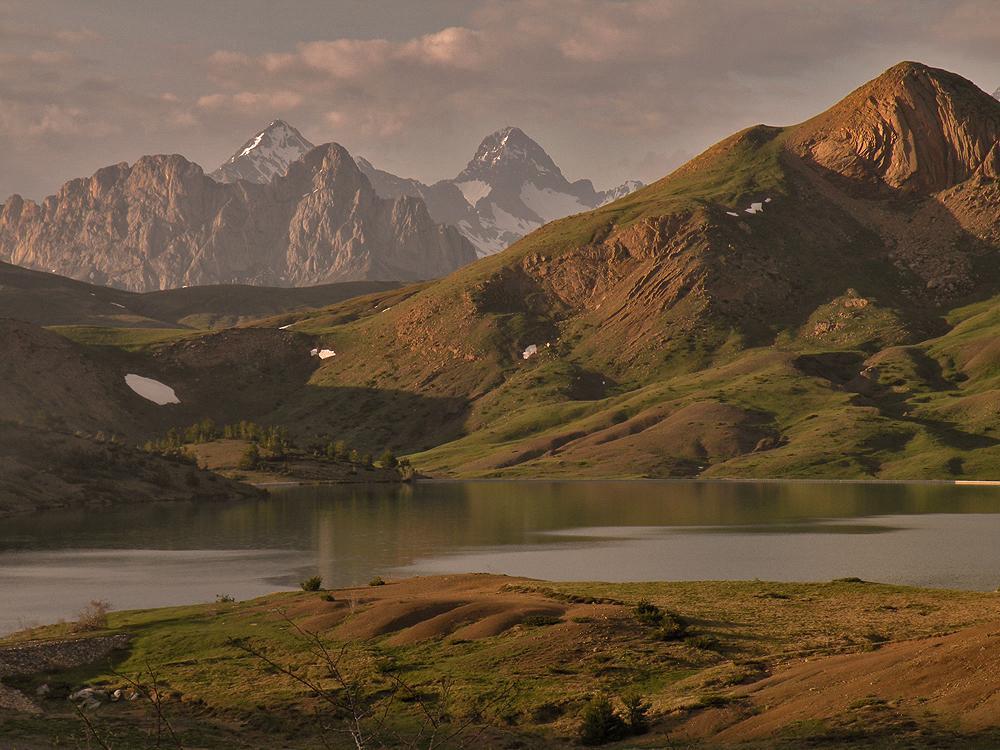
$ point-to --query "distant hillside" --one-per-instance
(161, 223)
(51, 300)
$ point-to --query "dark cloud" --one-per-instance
(611, 88)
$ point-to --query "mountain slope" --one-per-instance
(265, 155)
(50, 300)
(509, 188)
(162, 223)
(749, 314)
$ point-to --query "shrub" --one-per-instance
(377, 581)
(354, 457)
(315, 583)
(647, 613)
(328, 598)
(671, 628)
(366, 461)
(704, 642)
(388, 460)
(93, 617)
(636, 710)
(600, 723)
(250, 459)
(225, 598)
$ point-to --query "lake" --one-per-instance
(936, 535)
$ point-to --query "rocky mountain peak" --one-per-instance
(996, 94)
(914, 128)
(508, 149)
(265, 155)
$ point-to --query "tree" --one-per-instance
(388, 460)
(250, 459)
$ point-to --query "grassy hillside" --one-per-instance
(51, 300)
(504, 662)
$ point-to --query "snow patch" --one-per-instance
(473, 190)
(732, 213)
(550, 204)
(285, 327)
(152, 390)
(530, 351)
(323, 353)
(506, 222)
(755, 208)
(117, 305)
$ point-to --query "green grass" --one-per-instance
(549, 666)
(128, 339)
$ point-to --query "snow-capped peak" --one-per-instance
(996, 94)
(264, 155)
(508, 149)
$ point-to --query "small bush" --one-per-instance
(315, 583)
(250, 459)
(671, 628)
(636, 713)
(377, 581)
(224, 598)
(600, 723)
(647, 613)
(704, 642)
(93, 617)
(328, 598)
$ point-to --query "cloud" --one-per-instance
(611, 88)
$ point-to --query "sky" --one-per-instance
(611, 89)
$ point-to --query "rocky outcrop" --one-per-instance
(161, 223)
(914, 128)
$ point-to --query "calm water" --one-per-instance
(927, 535)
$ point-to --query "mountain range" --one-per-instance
(821, 299)
(283, 212)
(162, 223)
(508, 189)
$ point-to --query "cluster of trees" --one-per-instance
(268, 443)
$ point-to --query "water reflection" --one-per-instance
(919, 533)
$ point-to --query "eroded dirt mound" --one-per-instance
(953, 676)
